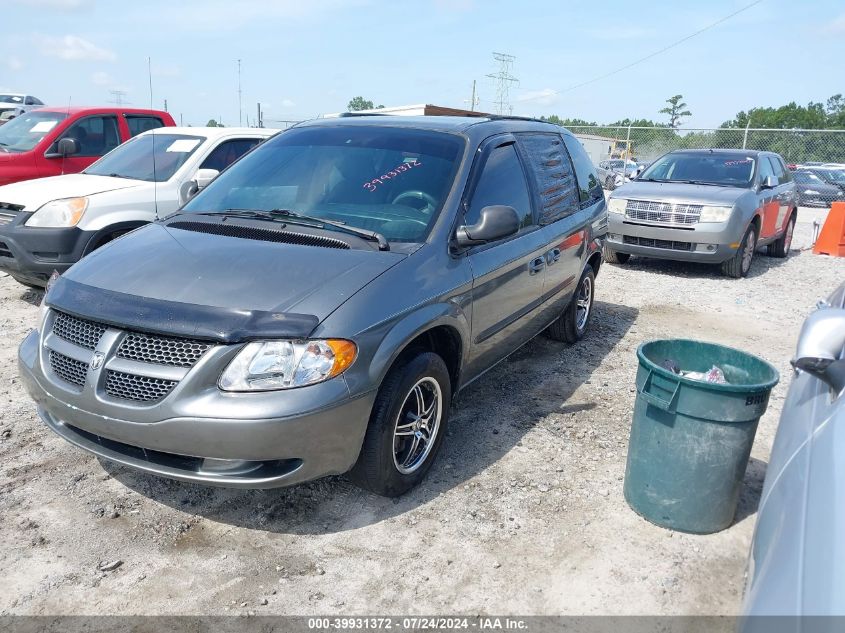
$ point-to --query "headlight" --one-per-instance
(715, 214)
(812, 192)
(59, 213)
(617, 205)
(269, 365)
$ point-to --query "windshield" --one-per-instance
(390, 180)
(709, 168)
(134, 159)
(834, 175)
(7, 98)
(803, 176)
(24, 132)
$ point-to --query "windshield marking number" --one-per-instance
(373, 184)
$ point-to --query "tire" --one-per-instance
(609, 183)
(386, 464)
(29, 283)
(739, 265)
(780, 248)
(571, 326)
(613, 257)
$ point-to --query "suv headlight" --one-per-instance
(59, 213)
(715, 214)
(617, 205)
(270, 365)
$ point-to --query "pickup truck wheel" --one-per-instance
(739, 265)
(613, 257)
(406, 426)
(571, 326)
(610, 183)
(780, 248)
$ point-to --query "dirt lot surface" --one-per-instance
(523, 512)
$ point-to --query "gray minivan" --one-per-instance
(314, 309)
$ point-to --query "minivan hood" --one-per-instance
(680, 192)
(232, 275)
(36, 193)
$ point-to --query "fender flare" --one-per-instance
(98, 238)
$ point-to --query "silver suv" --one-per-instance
(711, 206)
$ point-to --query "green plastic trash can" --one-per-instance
(691, 439)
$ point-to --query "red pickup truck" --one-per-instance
(55, 141)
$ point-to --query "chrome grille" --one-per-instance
(162, 351)
(680, 214)
(78, 331)
(137, 388)
(68, 369)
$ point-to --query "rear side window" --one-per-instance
(502, 181)
(140, 123)
(228, 152)
(551, 169)
(781, 171)
(589, 188)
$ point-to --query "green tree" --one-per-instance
(356, 104)
(676, 110)
(213, 123)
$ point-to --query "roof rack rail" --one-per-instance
(513, 117)
(348, 114)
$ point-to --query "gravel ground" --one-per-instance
(523, 512)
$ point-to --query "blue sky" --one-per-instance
(303, 58)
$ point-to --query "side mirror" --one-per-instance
(495, 222)
(769, 183)
(204, 176)
(67, 146)
(821, 340)
(187, 190)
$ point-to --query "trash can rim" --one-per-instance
(661, 371)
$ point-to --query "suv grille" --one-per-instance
(78, 331)
(162, 351)
(68, 369)
(137, 388)
(652, 243)
(663, 212)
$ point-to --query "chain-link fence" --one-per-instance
(645, 144)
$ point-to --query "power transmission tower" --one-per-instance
(117, 96)
(504, 79)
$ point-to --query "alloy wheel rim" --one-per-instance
(748, 251)
(583, 303)
(417, 425)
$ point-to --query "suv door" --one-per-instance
(785, 191)
(562, 226)
(767, 198)
(507, 274)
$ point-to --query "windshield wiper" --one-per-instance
(292, 217)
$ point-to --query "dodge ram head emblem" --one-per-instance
(97, 361)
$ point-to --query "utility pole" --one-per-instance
(504, 79)
(474, 100)
(181, 123)
(240, 106)
(165, 106)
(260, 118)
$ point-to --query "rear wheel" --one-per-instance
(780, 248)
(739, 265)
(406, 427)
(613, 257)
(571, 326)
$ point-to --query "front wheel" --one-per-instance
(614, 257)
(571, 326)
(406, 426)
(739, 265)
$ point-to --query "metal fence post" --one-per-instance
(627, 147)
(745, 137)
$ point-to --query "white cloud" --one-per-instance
(13, 63)
(836, 26)
(63, 5)
(544, 97)
(101, 79)
(72, 48)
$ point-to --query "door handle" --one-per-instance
(536, 266)
(552, 256)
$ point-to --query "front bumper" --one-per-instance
(242, 440)
(714, 244)
(32, 254)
